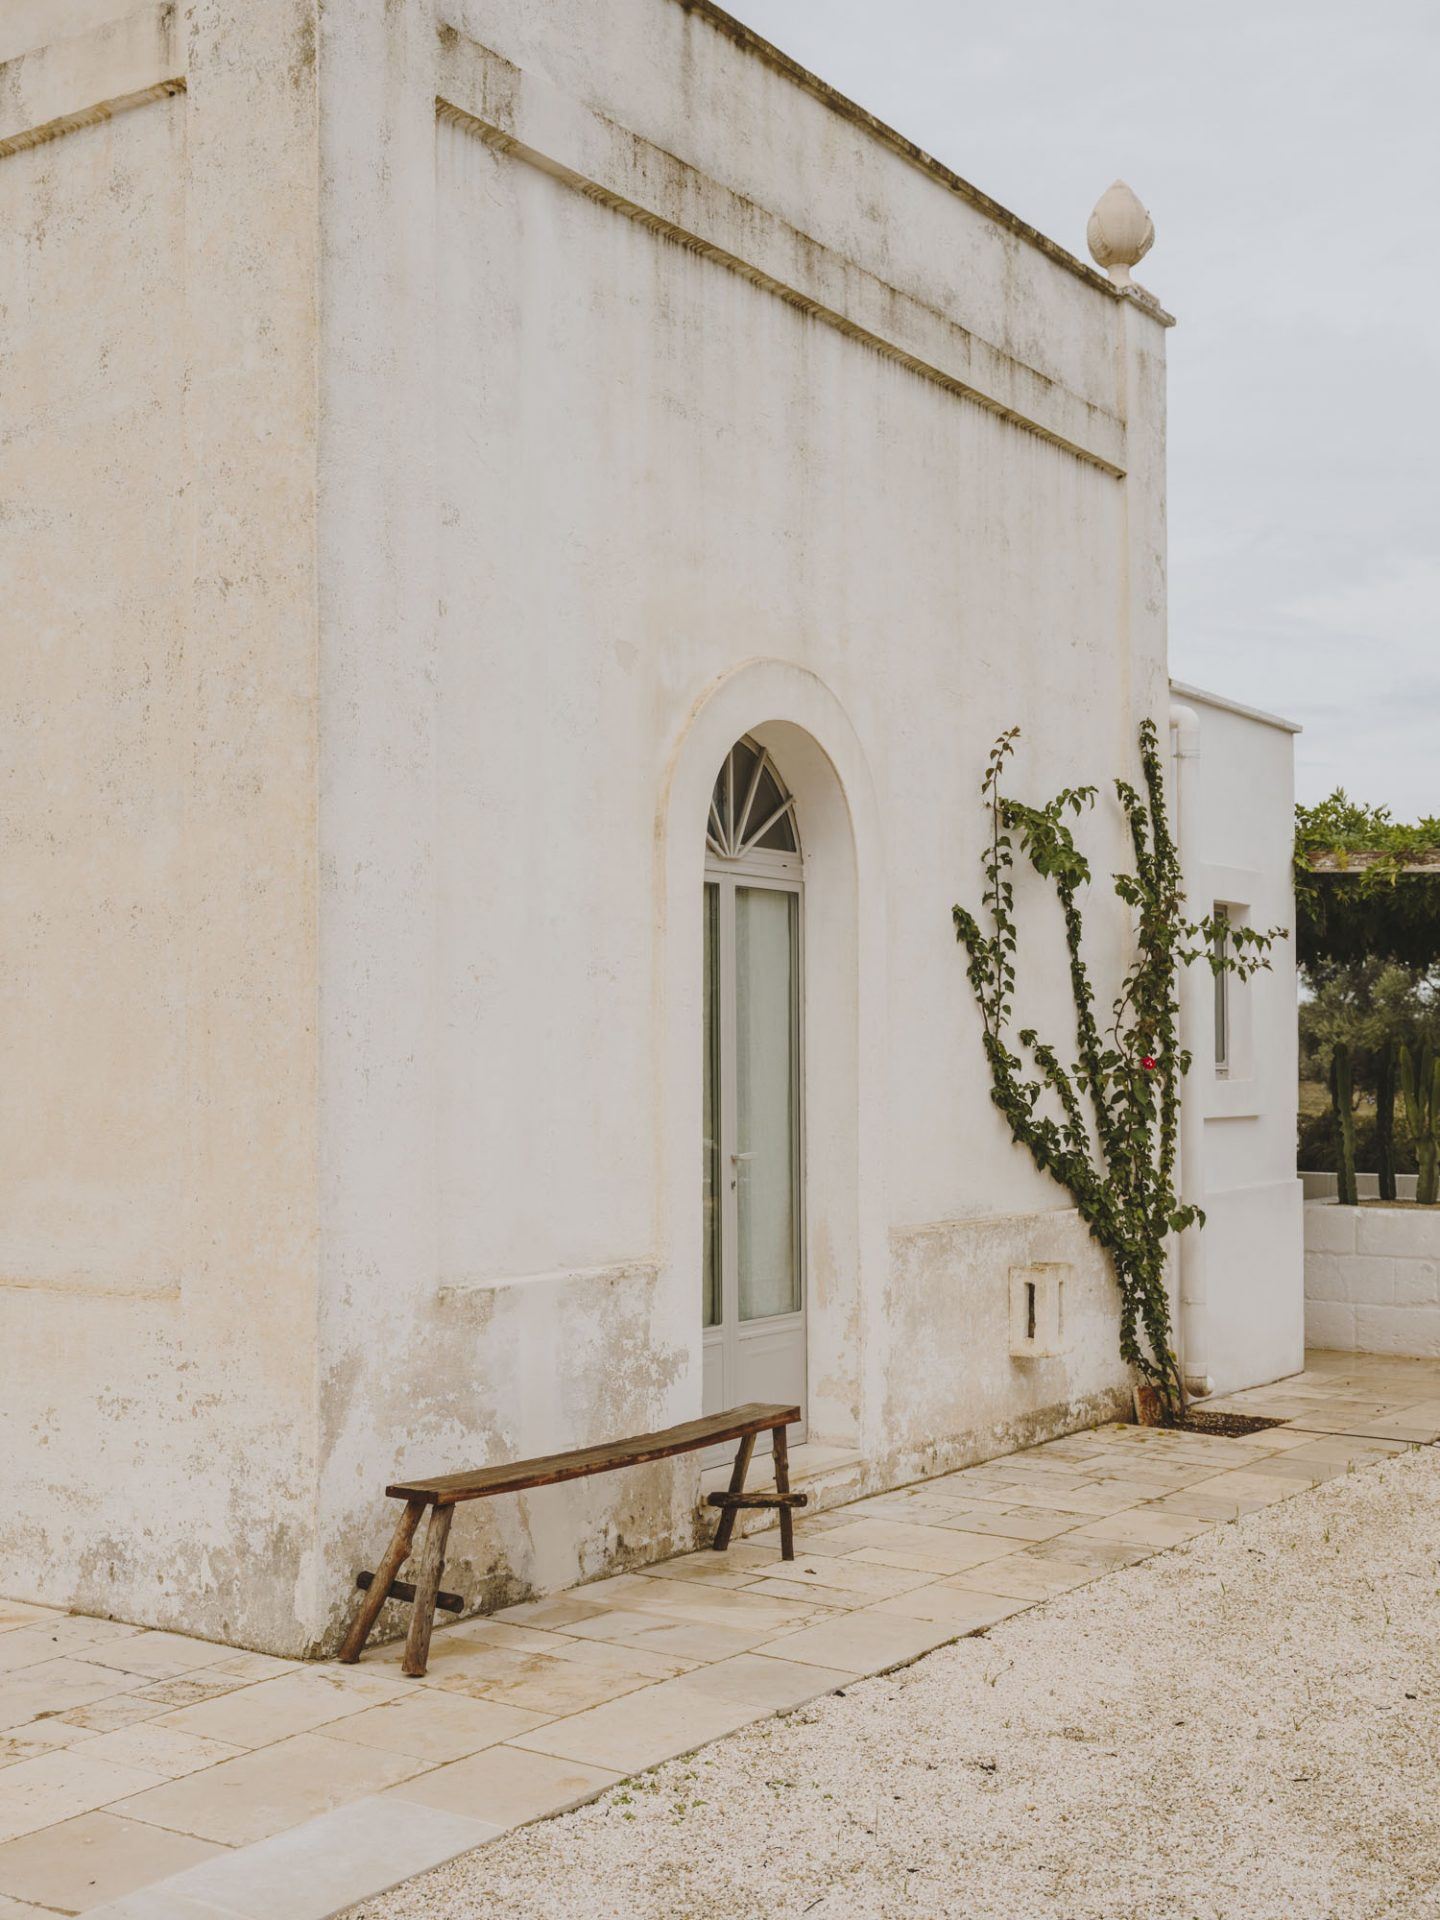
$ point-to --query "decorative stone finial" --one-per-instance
(1120, 233)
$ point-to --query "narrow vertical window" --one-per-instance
(1220, 946)
(767, 925)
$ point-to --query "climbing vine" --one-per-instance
(1107, 1125)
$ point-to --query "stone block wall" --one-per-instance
(1326, 1186)
(1372, 1278)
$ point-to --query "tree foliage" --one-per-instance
(1366, 1003)
(1342, 825)
(1368, 901)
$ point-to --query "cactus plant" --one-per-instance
(1341, 1097)
(1385, 1116)
(1420, 1088)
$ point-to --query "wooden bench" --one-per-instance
(443, 1494)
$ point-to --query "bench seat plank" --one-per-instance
(447, 1488)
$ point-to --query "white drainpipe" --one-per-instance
(1194, 997)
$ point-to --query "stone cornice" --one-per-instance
(885, 135)
(523, 115)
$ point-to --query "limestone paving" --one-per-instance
(147, 1776)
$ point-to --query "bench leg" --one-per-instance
(427, 1585)
(368, 1612)
(737, 1485)
(781, 1448)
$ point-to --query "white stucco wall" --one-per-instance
(1372, 1278)
(468, 481)
(742, 420)
(158, 1074)
(1237, 851)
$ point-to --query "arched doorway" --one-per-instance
(753, 1266)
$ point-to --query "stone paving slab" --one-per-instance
(146, 1776)
(358, 1850)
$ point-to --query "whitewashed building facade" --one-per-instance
(444, 445)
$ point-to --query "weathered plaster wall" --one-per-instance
(693, 408)
(416, 506)
(1242, 838)
(29, 25)
(157, 1032)
(963, 1396)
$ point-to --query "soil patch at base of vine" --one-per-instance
(1231, 1426)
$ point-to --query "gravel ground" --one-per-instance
(1240, 1729)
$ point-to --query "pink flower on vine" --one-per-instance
(1148, 1063)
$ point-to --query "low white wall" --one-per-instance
(1326, 1186)
(1372, 1278)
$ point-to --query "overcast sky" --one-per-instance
(1289, 153)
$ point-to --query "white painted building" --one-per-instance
(444, 443)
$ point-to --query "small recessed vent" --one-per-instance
(1037, 1311)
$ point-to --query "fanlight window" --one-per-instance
(750, 807)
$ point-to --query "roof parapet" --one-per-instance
(780, 62)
